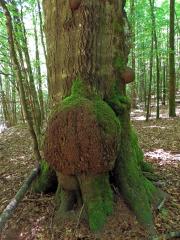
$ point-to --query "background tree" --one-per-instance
(172, 76)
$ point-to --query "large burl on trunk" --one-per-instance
(89, 135)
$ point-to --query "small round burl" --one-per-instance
(74, 4)
(128, 75)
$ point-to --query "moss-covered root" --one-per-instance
(133, 190)
(138, 191)
(66, 202)
(46, 181)
(98, 199)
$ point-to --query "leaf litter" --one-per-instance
(33, 219)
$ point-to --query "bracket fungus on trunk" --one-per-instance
(74, 4)
(128, 75)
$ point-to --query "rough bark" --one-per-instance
(87, 53)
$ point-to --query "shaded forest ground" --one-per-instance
(33, 219)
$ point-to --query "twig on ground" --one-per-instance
(8, 211)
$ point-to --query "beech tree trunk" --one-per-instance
(89, 133)
(157, 56)
(148, 112)
(172, 75)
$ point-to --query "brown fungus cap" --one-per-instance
(128, 75)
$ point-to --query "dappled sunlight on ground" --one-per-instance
(2, 127)
(33, 219)
(140, 114)
(154, 126)
(164, 156)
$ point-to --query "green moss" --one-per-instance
(119, 103)
(139, 155)
(99, 108)
(145, 166)
(129, 175)
(98, 200)
(106, 117)
(132, 187)
(119, 63)
(79, 88)
(58, 196)
(77, 98)
(107, 194)
(46, 181)
(96, 214)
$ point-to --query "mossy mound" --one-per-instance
(82, 135)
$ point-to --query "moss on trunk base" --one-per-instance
(97, 198)
(46, 181)
(85, 140)
(138, 191)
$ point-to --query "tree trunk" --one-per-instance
(157, 57)
(47, 180)
(42, 35)
(23, 50)
(172, 76)
(38, 70)
(164, 86)
(19, 78)
(148, 112)
(89, 133)
(133, 55)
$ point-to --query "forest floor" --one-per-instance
(33, 219)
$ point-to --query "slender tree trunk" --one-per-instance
(19, 77)
(38, 70)
(172, 75)
(41, 29)
(3, 101)
(20, 28)
(164, 86)
(14, 112)
(42, 36)
(145, 87)
(150, 79)
(157, 57)
(37, 120)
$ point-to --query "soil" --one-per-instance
(33, 219)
